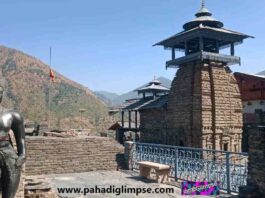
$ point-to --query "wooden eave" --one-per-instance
(222, 35)
(249, 76)
(202, 55)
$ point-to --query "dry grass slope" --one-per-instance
(27, 83)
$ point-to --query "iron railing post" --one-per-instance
(176, 163)
(228, 172)
(208, 173)
(141, 152)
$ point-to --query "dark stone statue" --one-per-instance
(10, 160)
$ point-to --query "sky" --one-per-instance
(107, 44)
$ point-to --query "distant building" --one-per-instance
(153, 121)
(137, 114)
(252, 88)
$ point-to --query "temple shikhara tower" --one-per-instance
(204, 108)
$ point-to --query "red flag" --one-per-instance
(52, 76)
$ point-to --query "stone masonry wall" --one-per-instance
(153, 125)
(184, 107)
(205, 108)
(222, 116)
(256, 164)
(49, 155)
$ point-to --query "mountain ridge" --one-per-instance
(261, 73)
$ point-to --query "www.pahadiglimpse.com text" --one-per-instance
(115, 190)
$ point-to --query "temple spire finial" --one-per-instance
(203, 3)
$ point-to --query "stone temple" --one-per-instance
(204, 104)
(203, 108)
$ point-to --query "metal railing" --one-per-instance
(194, 164)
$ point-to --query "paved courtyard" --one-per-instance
(105, 179)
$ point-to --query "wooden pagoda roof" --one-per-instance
(222, 35)
(156, 88)
(148, 103)
(153, 86)
(202, 55)
(136, 105)
(157, 103)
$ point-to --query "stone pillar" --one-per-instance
(128, 146)
(256, 164)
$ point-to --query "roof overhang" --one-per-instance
(249, 76)
(224, 36)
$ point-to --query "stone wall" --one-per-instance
(181, 114)
(49, 155)
(222, 119)
(256, 164)
(153, 125)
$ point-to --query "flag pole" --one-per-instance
(49, 90)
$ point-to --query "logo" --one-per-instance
(200, 188)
